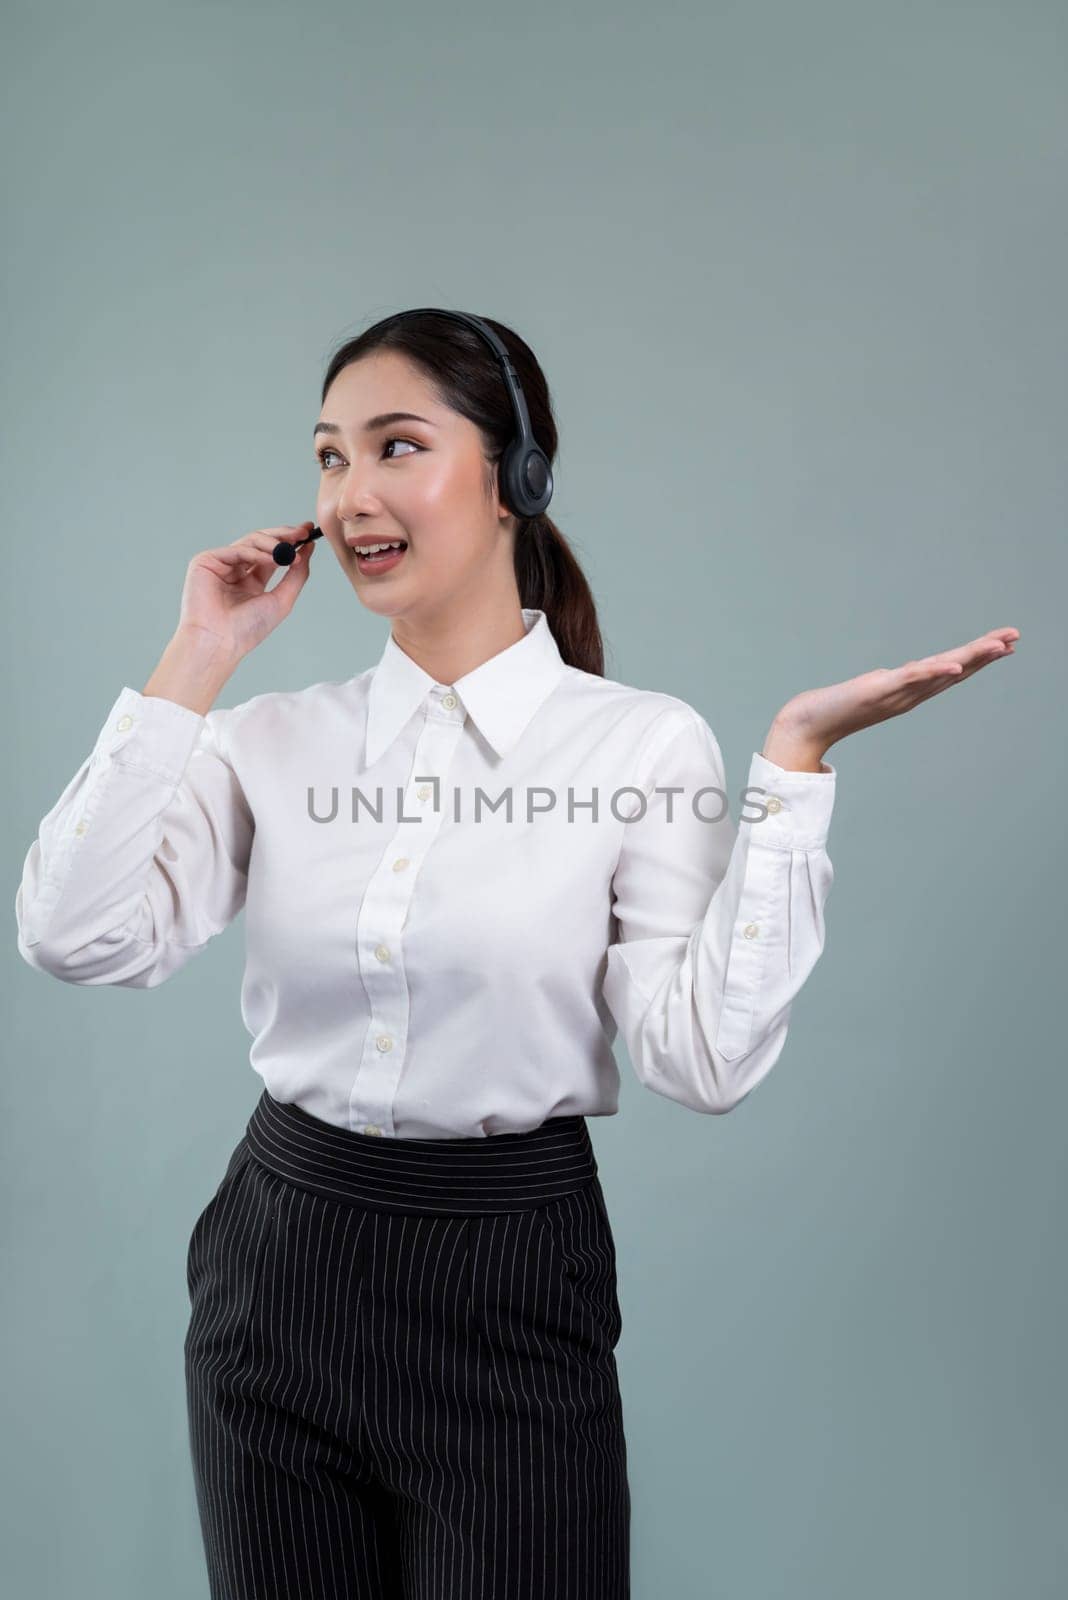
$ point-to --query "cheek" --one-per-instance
(437, 512)
(436, 494)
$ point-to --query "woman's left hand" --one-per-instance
(811, 722)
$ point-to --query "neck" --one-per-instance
(448, 647)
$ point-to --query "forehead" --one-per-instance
(382, 381)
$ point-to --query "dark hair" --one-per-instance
(466, 377)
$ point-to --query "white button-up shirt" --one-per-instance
(455, 895)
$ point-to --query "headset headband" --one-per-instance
(526, 479)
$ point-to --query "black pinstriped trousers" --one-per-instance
(400, 1368)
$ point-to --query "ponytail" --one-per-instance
(550, 579)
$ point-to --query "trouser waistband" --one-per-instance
(466, 1177)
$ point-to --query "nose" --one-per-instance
(355, 498)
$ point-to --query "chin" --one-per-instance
(383, 605)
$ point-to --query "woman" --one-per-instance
(464, 870)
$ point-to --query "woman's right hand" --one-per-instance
(226, 594)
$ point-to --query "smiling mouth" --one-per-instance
(370, 556)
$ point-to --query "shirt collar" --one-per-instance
(500, 696)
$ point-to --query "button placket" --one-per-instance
(382, 918)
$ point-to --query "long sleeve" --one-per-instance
(719, 925)
(144, 856)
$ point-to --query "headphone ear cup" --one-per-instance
(526, 478)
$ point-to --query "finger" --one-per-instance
(293, 577)
(985, 650)
(988, 645)
(257, 547)
(267, 538)
(961, 661)
(263, 538)
(944, 673)
(240, 564)
(242, 558)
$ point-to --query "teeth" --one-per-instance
(369, 549)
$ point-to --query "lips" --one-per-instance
(384, 563)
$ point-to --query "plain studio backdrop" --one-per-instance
(796, 276)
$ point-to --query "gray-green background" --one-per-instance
(796, 275)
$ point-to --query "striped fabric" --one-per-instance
(400, 1368)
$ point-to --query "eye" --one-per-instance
(403, 441)
(328, 450)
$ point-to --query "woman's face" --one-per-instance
(420, 481)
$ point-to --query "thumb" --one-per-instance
(295, 577)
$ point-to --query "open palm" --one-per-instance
(820, 717)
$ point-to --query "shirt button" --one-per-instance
(424, 792)
(384, 1042)
(774, 803)
(449, 701)
(400, 863)
(750, 930)
(124, 722)
(382, 952)
(81, 827)
(370, 1128)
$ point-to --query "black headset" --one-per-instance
(525, 474)
(526, 478)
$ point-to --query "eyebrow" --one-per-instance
(386, 419)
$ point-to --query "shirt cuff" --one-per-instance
(148, 732)
(799, 805)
